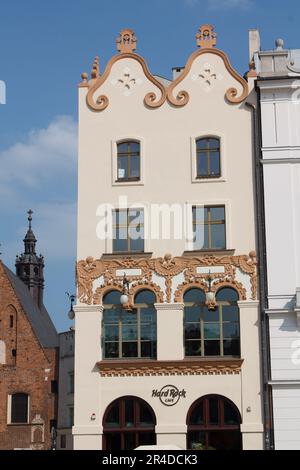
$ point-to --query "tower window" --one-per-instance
(11, 321)
(19, 408)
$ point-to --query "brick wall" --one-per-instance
(30, 371)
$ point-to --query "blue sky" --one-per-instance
(44, 47)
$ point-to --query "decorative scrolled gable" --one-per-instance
(126, 72)
(207, 69)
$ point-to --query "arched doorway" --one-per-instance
(213, 423)
(128, 423)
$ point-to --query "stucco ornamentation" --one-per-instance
(127, 81)
(206, 37)
(195, 270)
(169, 368)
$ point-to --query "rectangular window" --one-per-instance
(54, 386)
(19, 408)
(71, 382)
(209, 228)
(11, 321)
(128, 230)
(128, 161)
(129, 334)
(211, 333)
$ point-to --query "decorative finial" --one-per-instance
(95, 69)
(126, 42)
(206, 38)
(84, 77)
(279, 43)
(30, 212)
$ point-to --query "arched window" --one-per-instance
(208, 157)
(214, 424)
(19, 408)
(128, 423)
(128, 155)
(129, 334)
(211, 332)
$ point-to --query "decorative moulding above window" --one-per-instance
(126, 45)
(201, 366)
(161, 275)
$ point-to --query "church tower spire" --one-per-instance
(30, 267)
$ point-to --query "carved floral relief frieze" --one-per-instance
(223, 271)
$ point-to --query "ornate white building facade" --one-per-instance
(279, 88)
(178, 362)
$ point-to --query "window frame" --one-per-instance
(209, 134)
(128, 209)
(138, 308)
(202, 322)
(114, 161)
(210, 223)
(208, 151)
(9, 409)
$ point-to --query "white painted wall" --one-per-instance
(280, 108)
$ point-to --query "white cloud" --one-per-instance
(45, 154)
(40, 173)
(222, 4)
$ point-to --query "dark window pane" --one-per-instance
(113, 441)
(211, 330)
(129, 349)
(214, 143)
(202, 144)
(112, 297)
(134, 167)
(136, 216)
(148, 332)
(147, 349)
(147, 438)
(134, 147)
(146, 418)
(213, 411)
(111, 350)
(129, 441)
(197, 440)
(210, 315)
(197, 417)
(145, 297)
(218, 236)
(192, 348)
(230, 313)
(215, 164)
(206, 240)
(19, 408)
(212, 348)
(129, 332)
(202, 164)
(231, 330)
(192, 314)
(113, 417)
(120, 245)
(225, 440)
(231, 347)
(123, 167)
(230, 415)
(123, 147)
(137, 245)
(192, 331)
(129, 413)
(217, 213)
(111, 316)
(111, 333)
(228, 294)
(194, 295)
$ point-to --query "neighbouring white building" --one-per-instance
(170, 353)
(64, 439)
(279, 89)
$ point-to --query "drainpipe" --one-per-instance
(262, 273)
